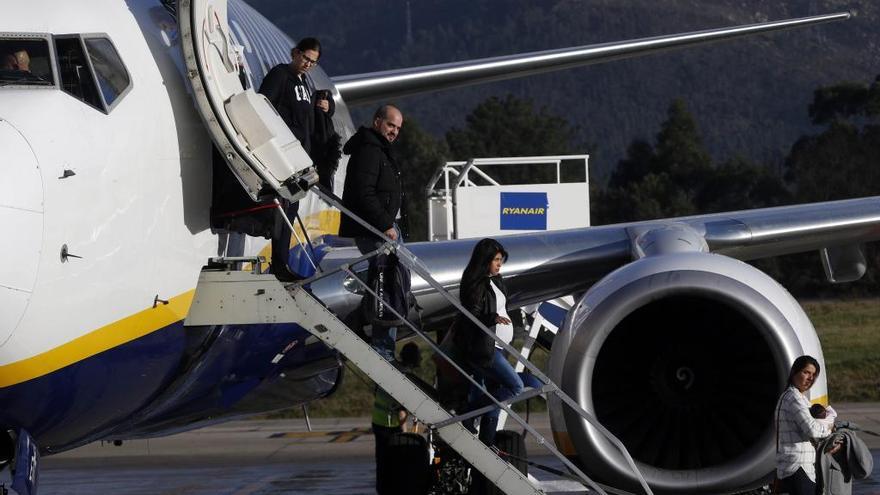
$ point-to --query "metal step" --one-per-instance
(253, 298)
(237, 297)
(417, 267)
(526, 395)
(327, 327)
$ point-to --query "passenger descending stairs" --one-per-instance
(326, 326)
(230, 296)
(237, 297)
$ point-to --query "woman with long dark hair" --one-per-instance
(796, 430)
(483, 293)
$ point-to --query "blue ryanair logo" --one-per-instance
(524, 211)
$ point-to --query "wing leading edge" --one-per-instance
(548, 265)
(365, 88)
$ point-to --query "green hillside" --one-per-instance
(749, 96)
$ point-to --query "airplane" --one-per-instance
(115, 147)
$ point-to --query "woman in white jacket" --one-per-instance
(797, 430)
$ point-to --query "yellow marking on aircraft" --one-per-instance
(322, 223)
(97, 341)
(131, 327)
(317, 224)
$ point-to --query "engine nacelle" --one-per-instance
(682, 357)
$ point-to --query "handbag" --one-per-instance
(390, 280)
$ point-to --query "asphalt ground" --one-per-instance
(281, 457)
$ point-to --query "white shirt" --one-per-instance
(796, 430)
(504, 331)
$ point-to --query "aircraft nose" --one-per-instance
(21, 217)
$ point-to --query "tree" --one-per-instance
(638, 163)
(680, 152)
(841, 161)
(838, 163)
(660, 181)
(511, 126)
(738, 185)
(653, 196)
(676, 178)
(845, 101)
(419, 154)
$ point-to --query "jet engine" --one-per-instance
(682, 357)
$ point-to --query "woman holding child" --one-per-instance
(797, 430)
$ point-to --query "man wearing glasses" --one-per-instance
(292, 94)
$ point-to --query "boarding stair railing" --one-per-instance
(241, 297)
(409, 260)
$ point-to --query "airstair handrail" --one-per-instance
(423, 272)
(414, 264)
(507, 408)
(475, 163)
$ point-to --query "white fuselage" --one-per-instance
(136, 212)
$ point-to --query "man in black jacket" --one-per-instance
(373, 192)
(372, 182)
(291, 92)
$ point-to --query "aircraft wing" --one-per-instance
(365, 88)
(553, 264)
(769, 232)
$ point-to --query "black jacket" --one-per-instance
(326, 147)
(293, 98)
(372, 184)
(477, 347)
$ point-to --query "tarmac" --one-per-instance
(281, 456)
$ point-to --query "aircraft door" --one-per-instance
(260, 149)
(21, 214)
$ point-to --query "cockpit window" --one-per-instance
(109, 69)
(86, 66)
(76, 75)
(25, 62)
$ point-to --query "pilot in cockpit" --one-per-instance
(16, 61)
(23, 61)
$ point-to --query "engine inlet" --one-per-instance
(682, 383)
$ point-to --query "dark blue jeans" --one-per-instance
(799, 484)
(530, 380)
(503, 383)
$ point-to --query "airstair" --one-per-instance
(230, 296)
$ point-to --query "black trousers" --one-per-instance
(799, 484)
(383, 470)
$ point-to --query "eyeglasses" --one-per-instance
(308, 60)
